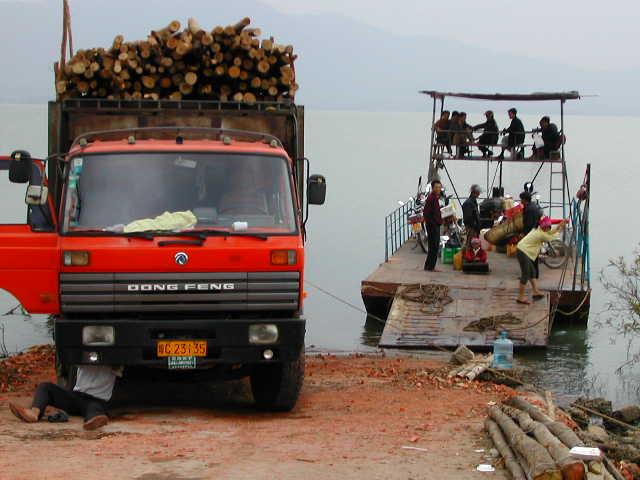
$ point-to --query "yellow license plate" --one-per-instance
(182, 348)
(416, 227)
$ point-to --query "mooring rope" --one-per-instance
(433, 297)
(493, 322)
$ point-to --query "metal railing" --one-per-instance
(397, 229)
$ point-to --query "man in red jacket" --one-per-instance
(432, 222)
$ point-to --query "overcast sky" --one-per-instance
(597, 34)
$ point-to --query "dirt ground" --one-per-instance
(355, 419)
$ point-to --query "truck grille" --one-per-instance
(167, 292)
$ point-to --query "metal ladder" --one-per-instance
(557, 174)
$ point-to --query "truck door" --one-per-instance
(29, 254)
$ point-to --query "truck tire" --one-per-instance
(67, 376)
(277, 387)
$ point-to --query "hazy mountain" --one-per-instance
(343, 64)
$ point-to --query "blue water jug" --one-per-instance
(503, 352)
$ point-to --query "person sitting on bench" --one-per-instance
(489, 135)
(442, 127)
(515, 135)
(551, 137)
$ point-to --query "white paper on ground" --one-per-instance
(586, 453)
(483, 467)
(407, 447)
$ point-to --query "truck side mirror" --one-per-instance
(20, 167)
(316, 190)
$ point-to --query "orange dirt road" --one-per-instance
(353, 419)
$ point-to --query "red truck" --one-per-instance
(169, 235)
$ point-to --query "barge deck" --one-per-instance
(474, 297)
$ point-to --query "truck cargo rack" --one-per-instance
(172, 105)
(180, 132)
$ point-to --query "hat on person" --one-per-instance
(475, 242)
(525, 196)
(545, 222)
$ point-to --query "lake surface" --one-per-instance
(372, 160)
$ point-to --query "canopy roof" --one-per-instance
(536, 96)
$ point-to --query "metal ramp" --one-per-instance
(410, 326)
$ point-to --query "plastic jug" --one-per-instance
(503, 352)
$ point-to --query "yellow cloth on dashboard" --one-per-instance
(171, 221)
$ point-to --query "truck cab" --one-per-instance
(169, 247)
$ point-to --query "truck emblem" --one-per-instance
(182, 258)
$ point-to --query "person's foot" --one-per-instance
(96, 422)
(523, 301)
(29, 415)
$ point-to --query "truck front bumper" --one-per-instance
(136, 341)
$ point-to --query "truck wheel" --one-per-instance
(67, 376)
(277, 387)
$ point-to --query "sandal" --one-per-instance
(539, 296)
(523, 302)
(58, 417)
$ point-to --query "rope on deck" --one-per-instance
(433, 297)
(493, 322)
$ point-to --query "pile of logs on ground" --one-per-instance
(229, 63)
(615, 432)
(470, 366)
(536, 446)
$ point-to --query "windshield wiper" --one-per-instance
(110, 233)
(227, 233)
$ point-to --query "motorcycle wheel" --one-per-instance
(557, 254)
(421, 236)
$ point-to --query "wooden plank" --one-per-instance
(409, 326)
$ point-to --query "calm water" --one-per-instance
(372, 160)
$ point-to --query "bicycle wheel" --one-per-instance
(557, 254)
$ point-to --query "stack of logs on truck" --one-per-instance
(229, 63)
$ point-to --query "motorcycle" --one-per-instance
(416, 219)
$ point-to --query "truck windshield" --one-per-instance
(124, 192)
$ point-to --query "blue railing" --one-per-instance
(397, 229)
(580, 222)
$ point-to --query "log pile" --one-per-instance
(615, 432)
(231, 63)
(536, 446)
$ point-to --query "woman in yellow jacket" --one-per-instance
(529, 250)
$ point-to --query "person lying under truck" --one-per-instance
(89, 398)
(528, 252)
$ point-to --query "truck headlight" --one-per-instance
(75, 258)
(98, 335)
(263, 334)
